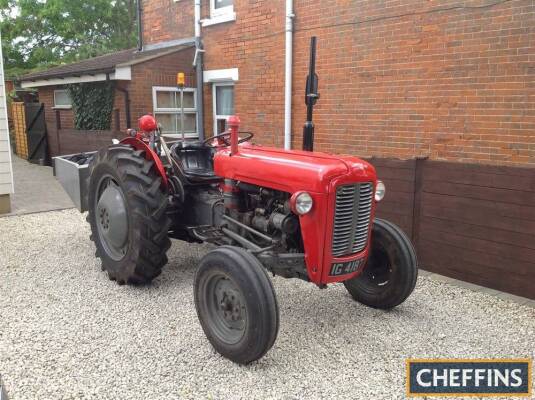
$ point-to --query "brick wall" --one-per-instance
(166, 20)
(452, 79)
(161, 71)
(442, 81)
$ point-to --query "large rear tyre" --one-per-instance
(127, 214)
(236, 304)
(391, 271)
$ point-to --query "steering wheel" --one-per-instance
(225, 138)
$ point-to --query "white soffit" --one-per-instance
(121, 73)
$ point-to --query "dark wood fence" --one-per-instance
(470, 222)
(69, 141)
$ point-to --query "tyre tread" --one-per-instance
(148, 203)
(355, 287)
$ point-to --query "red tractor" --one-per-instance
(296, 214)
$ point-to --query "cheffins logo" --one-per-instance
(493, 377)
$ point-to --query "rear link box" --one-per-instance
(72, 171)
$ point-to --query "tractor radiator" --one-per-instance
(352, 218)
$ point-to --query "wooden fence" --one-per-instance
(69, 141)
(470, 222)
(19, 125)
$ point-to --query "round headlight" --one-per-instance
(303, 203)
(380, 191)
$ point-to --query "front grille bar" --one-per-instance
(352, 218)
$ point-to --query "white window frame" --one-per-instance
(61, 107)
(219, 15)
(218, 12)
(217, 117)
(156, 110)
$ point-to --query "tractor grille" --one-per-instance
(352, 218)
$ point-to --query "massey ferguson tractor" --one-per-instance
(267, 211)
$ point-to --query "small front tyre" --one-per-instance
(391, 271)
(236, 304)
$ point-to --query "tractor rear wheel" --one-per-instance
(127, 214)
(391, 272)
(236, 304)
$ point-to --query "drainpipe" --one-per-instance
(139, 27)
(288, 76)
(198, 64)
(126, 106)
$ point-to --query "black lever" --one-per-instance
(311, 98)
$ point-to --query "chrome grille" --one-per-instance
(352, 218)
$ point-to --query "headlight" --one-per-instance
(380, 191)
(302, 203)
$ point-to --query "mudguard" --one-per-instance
(149, 155)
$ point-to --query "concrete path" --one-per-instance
(36, 189)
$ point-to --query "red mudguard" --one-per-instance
(149, 155)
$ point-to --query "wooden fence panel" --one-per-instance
(74, 141)
(478, 224)
(398, 205)
(471, 222)
(19, 124)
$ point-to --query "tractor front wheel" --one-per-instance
(391, 272)
(236, 304)
(127, 214)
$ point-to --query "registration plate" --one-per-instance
(345, 268)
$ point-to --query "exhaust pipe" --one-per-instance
(311, 98)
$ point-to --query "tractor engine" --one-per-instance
(262, 216)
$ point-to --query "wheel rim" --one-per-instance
(226, 309)
(112, 218)
(379, 269)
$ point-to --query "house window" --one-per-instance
(167, 110)
(62, 99)
(220, 11)
(221, 7)
(223, 95)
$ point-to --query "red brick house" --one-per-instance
(452, 81)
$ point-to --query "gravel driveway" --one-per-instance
(68, 332)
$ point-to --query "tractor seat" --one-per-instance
(197, 161)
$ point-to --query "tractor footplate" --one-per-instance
(206, 233)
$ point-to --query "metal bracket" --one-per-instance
(197, 51)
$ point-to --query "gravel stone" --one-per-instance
(67, 332)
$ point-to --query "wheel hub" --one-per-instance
(379, 268)
(227, 309)
(112, 220)
(230, 304)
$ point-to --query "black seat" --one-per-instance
(197, 160)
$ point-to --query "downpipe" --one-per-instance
(288, 76)
(126, 106)
(139, 26)
(198, 64)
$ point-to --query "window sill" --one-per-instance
(220, 19)
(62, 108)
